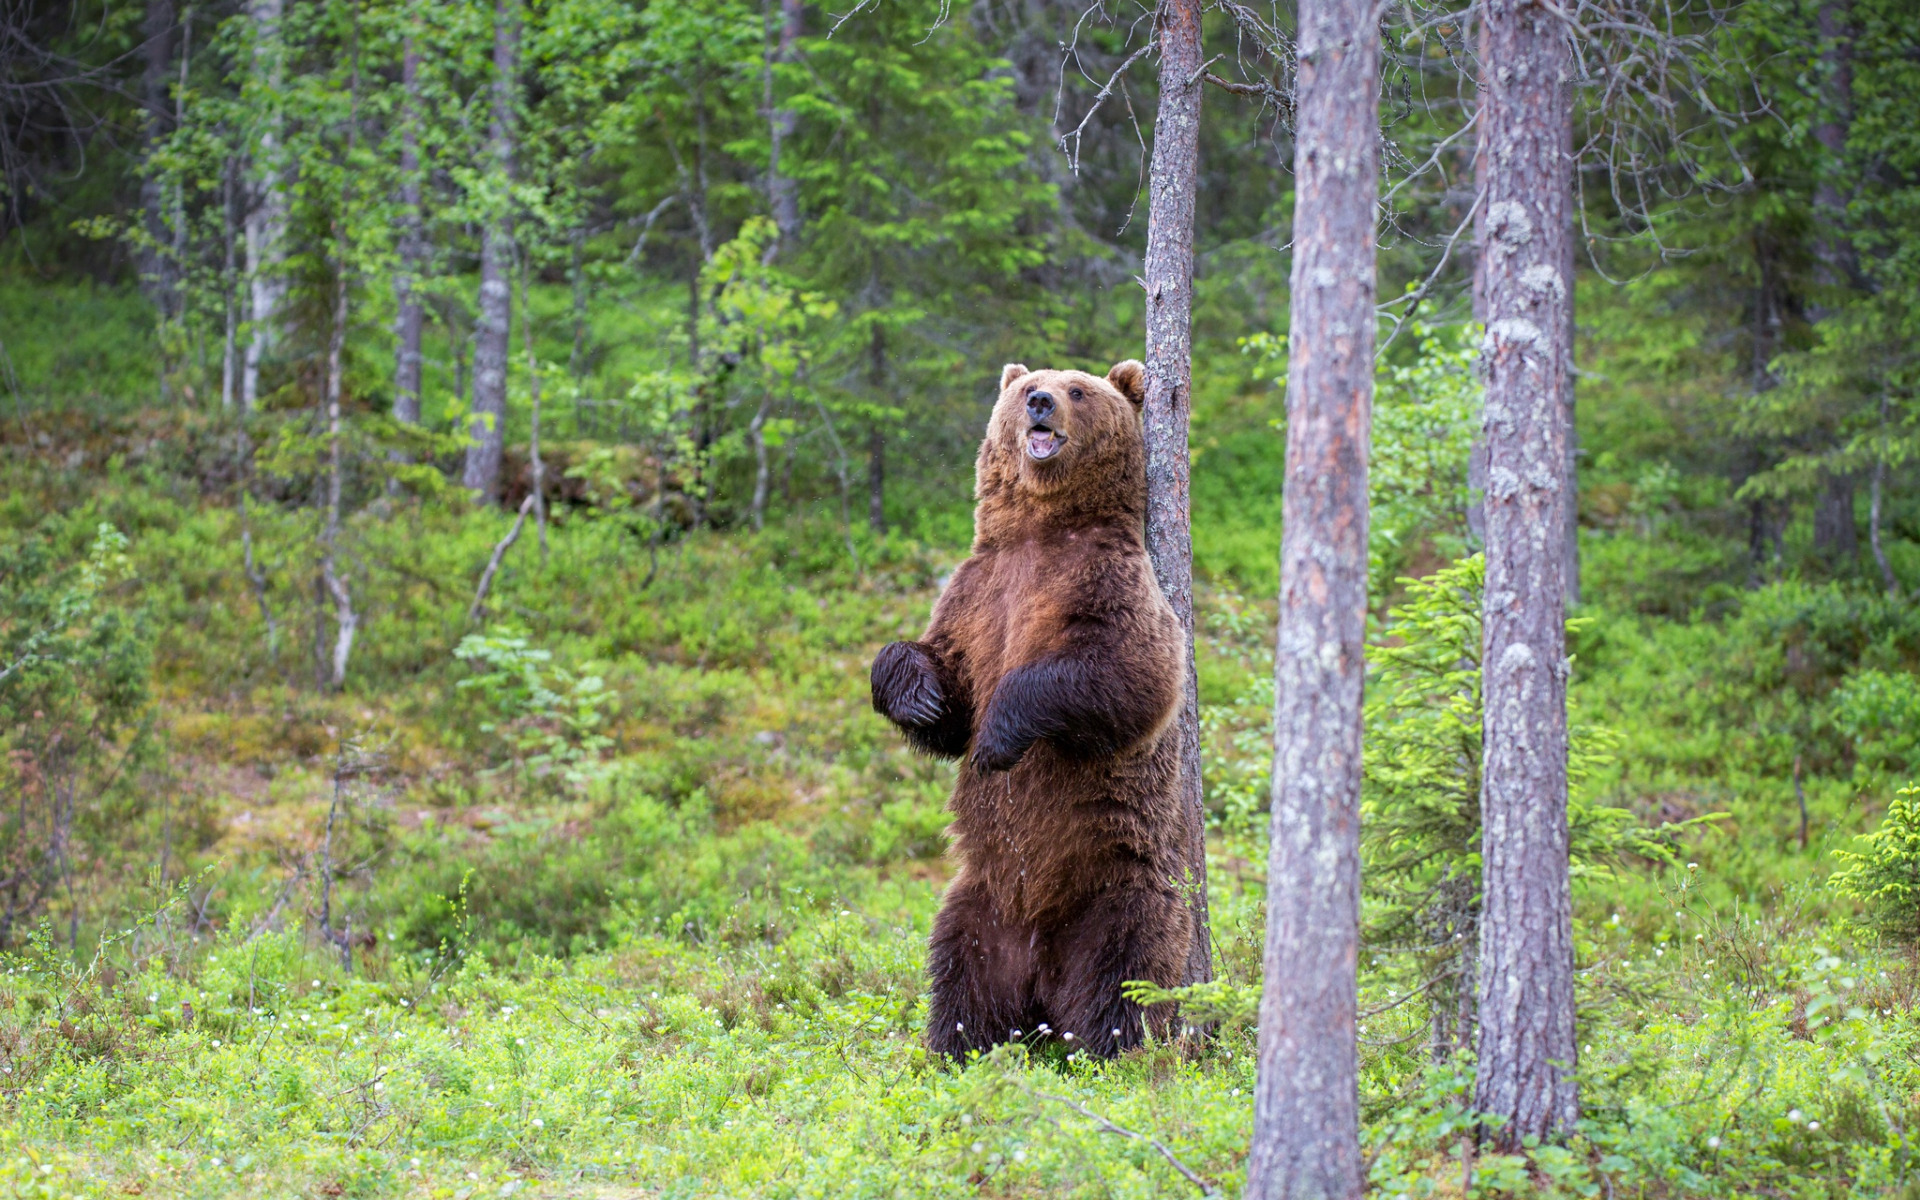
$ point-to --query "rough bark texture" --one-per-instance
(1306, 1131)
(1836, 535)
(1168, 274)
(783, 196)
(408, 313)
(491, 344)
(1571, 509)
(1526, 1042)
(158, 272)
(266, 224)
(1836, 266)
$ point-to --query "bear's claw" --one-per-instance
(905, 689)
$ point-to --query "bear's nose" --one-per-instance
(1040, 405)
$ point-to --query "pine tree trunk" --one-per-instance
(1570, 572)
(1173, 180)
(487, 432)
(1526, 1038)
(1836, 535)
(1836, 266)
(1306, 1116)
(409, 317)
(158, 272)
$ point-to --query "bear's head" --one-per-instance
(1065, 441)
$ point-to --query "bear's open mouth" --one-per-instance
(1043, 443)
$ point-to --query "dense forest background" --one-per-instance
(460, 459)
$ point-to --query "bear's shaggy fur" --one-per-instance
(1053, 664)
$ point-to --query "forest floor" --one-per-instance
(641, 909)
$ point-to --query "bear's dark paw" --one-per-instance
(906, 690)
(999, 747)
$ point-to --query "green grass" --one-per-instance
(696, 969)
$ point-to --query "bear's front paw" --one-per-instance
(905, 689)
(999, 747)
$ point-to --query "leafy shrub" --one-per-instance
(546, 719)
(1884, 874)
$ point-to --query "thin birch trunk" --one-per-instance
(1873, 511)
(783, 196)
(409, 315)
(876, 437)
(534, 462)
(230, 315)
(266, 223)
(487, 431)
(345, 621)
(1306, 1139)
(1527, 1054)
(762, 475)
(1168, 274)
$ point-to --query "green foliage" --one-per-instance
(1884, 873)
(546, 719)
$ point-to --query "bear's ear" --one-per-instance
(1131, 378)
(1011, 372)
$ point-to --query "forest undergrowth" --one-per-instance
(623, 890)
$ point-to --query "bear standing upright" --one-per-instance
(1053, 664)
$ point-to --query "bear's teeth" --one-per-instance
(1042, 443)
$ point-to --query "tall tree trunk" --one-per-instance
(1306, 1116)
(534, 462)
(266, 224)
(577, 282)
(157, 270)
(1526, 1042)
(876, 439)
(762, 470)
(482, 474)
(1173, 180)
(1836, 536)
(1570, 542)
(409, 316)
(230, 314)
(1873, 510)
(1836, 265)
(345, 621)
(783, 196)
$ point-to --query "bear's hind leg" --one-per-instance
(1127, 933)
(982, 975)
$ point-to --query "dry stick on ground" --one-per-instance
(1168, 271)
(499, 553)
(1306, 1133)
(1107, 1125)
(1527, 1052)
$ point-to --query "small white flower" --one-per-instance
(1793, 1114)
(1116, 1033)
(1019, 1156)
(1813, 1124)
(1713, 1143)
(519, 1041)
(1016, 1033)
(216, 1162)
(1693, 866)
(979, 1146)
(216, 1043)
(414, 1161)
(539, 1124)
(154, 999)
(1068, 1035)
(959, 1027)
(316, 983)
(966, 1118)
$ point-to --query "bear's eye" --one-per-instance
(1075, 393)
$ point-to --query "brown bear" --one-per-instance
(1053, 664)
